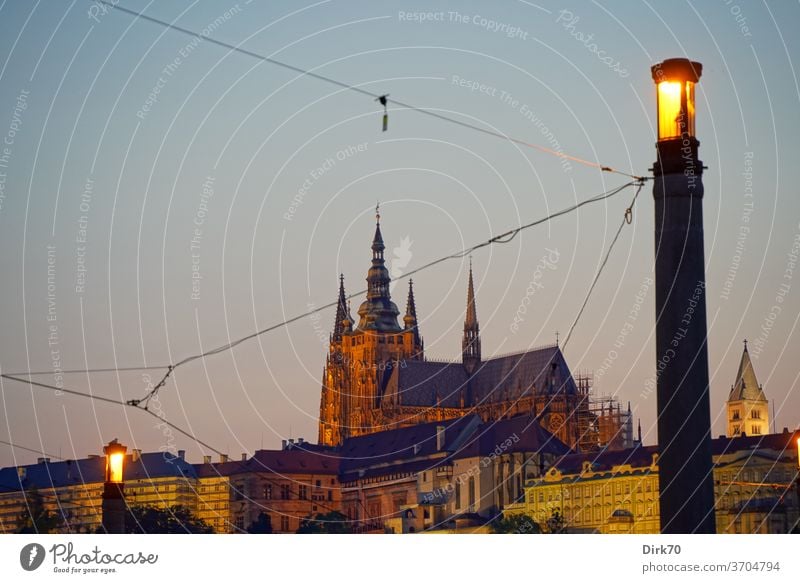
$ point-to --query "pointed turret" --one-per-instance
(410, 319)
(471, 341)
(342, 313)
(747, 406)
(746, 386)
(378, 312)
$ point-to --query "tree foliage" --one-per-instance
(171, 520)
(330, 523)
(261, 525)
(555, 524)
(35, 518)
(516, 524)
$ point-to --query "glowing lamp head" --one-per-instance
(115, 461)
(675, 80)
(798, 452)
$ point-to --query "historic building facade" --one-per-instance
(617, 492)
(376, 376)
(747, 407)
(453, 475)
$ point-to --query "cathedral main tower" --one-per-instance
(362, 357)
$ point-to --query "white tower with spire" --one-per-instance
(747, 406)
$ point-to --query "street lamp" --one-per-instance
(675, 80)
(114, 488)
(686, 489)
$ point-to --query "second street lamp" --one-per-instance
(114, 488)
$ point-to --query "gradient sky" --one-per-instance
(85, 155)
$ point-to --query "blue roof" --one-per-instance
(49, 474)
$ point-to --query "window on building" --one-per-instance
(735, 414)
(736, 430)
(303, 493)
(755, 430)
(471, 493)
(755, 414)
(318, 483)
(285, 523)
(268, 492)
(330, 494)
(285, 492)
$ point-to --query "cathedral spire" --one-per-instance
(378, 312)
(342, 312)
(471, 341)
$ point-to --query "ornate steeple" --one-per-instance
(378, 312)
(471, 341)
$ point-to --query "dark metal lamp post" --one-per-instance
(684, 413)
(114, 488)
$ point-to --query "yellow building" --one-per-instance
(72, 489)
(617, 492)
(609, 492)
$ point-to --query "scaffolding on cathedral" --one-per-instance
(601, 421)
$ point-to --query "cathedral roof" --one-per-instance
(746, 386)
(424, 383)
(521, 433)
(389, 450)
(414, 449)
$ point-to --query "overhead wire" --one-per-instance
(626, 220)
(113, 402)
(502, 238)
(381, 97)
